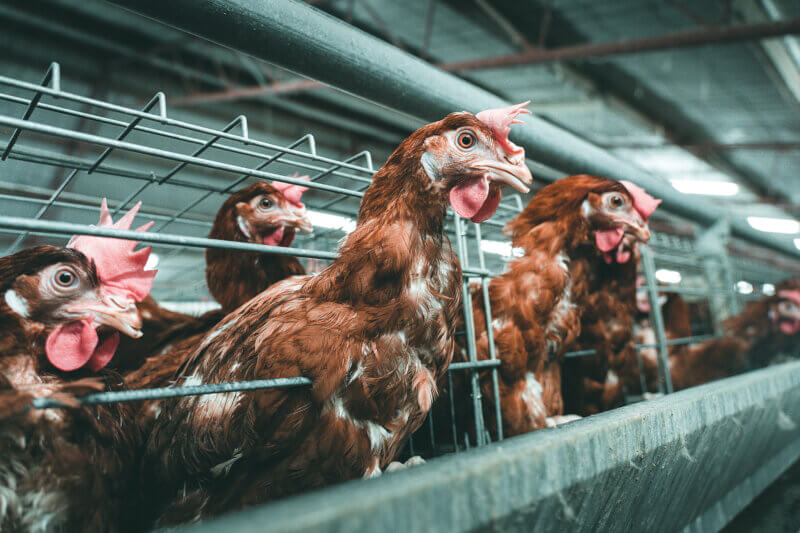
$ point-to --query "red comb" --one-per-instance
(642, 202)
(291, 192)
(500, 121)
(119, 267)
(792, 295)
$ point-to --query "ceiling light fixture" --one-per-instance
(501, 248)
(774, 225)
(744, 287)
(327, 220)
(668, 276)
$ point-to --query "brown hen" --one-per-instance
(373, 331)
(766, 331)
(262, 213)
(537, 303)
(61, 313)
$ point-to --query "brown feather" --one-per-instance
(373, 331)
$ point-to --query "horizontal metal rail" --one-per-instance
(163, 119)
(140, 395)
(471, 365)
(680, 342)
(668, 342)
(695, 37)
(193, 140)
(300, 38)
(66, 228)
(710, 450)
(164, 154)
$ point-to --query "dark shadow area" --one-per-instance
(777, 510)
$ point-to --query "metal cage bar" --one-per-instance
(295, 36)
(665, 249)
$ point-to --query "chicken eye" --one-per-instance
(466, 140)
(616, 200)
(66, 278)
(265, 204)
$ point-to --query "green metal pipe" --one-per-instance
(300, 38)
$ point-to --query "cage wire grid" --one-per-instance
(136, 159)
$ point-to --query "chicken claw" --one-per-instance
(397, 465)
(554, 421)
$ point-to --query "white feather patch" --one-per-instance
(17, 303)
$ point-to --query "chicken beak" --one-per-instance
(517, 175)
(636, 227)
(114, 311)
(296, 218)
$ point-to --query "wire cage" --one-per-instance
(98, 149)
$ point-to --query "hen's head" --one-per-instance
(60, 289)
(784, 310)
(463, 159)
(611, 214)
(83, 295)
(263, 213)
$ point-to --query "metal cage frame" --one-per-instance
(351, 179)
(153, 120)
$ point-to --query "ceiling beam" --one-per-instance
(229, 95)
(702, 147)
(314, 44)
(706, 35)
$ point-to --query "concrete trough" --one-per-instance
(687, 461)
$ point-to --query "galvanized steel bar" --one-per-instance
(469, 326)
(296, 36)
(164, 154)
(474, 365)
(692, 458)
(66, 228)
(174, 392)
(487, 311)
(56, 92)
(157, 99)
(648, 266)
(53, 74)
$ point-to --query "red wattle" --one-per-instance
(789, 327)
(70, 346)
(75, 345)
(274, 238)
(489, 207)
(608, 239)
(104, 352)
(468, 198)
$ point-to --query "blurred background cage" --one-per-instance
(134, 110)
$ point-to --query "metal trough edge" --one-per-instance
(690, 460)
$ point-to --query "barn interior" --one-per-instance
(178, 104)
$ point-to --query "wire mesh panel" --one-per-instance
(94, 149)
(71, 150)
